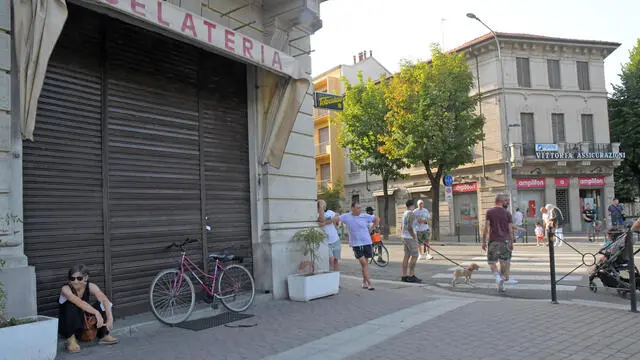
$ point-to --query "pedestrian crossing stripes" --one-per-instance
(530, 267)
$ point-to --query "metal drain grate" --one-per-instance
(213, 321)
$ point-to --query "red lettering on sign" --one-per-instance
(247, 46)
(276, 60)
(229, 42)
(160, 19)
(463, 188)
(187, 24)
(210, 27)
(134, 7)
(113, 2)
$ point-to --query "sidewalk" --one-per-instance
(396, 321)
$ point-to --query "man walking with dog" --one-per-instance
(498, 226)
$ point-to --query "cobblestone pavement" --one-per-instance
(396, 321)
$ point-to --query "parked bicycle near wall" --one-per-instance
(172, 296)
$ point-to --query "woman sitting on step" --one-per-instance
(74, 304)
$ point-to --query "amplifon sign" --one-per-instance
(465, 188)
(183, 22)
(530, 183)
(591, 181)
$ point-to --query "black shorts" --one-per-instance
(363, 250)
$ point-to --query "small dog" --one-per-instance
(466, 273)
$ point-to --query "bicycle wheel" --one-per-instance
(380, 256)
(169, 304)
(236, 288)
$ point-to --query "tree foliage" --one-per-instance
(624, 114)
(432, 119)
(363, 125)
(333, 196)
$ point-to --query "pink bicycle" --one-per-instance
(173, 298)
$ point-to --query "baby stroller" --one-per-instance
(613, 263)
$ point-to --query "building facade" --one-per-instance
(330, 160)
(142, 122)
(560, 148)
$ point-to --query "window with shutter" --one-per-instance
(553, 72)
(524, 74)
(528, 136)
(587, 128)
(557, 128)
(583, 75)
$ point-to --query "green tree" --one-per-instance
(363, 127)
(624, 113)
(432, 119)
(332, 195)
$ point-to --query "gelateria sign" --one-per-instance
(547, 155)
(207, 32)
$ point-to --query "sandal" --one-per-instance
(364, 285)
(72, 345)
(370, 287)
(108, 340)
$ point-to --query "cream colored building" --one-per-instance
(559, 134)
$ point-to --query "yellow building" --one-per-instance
(330, 160)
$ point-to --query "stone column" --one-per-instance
(574, 205)
(18, 278)
(549, 193)
(608, 196)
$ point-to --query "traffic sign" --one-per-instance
(447, 180)
(448, 193)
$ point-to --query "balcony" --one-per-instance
(323, 148)
(320, 113)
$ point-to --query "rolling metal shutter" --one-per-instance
(63, 202)
(138, 138)
(223, 111)
(153, 152)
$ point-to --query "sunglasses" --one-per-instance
(79, 278)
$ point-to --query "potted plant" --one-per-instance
(32, 337)
(310, 284)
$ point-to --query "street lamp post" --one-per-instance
(505, 122)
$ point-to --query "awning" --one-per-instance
(378, 193)
(419, 189)
(38, 25)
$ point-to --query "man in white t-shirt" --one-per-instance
(422, 230)
(325, 217)
(517, 220)
(359, 238)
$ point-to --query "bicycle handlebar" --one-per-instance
(185, 242)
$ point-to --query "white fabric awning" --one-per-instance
(378, 193)
(38, 25)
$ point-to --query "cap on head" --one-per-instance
(369, 209)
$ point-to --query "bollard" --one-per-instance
(526, 232)
(632, 271)
(552, 268)
(458, 231)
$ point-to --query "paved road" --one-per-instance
(396, 321)
(530, 266)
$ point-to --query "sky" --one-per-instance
(404, 29)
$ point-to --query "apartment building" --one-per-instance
(560, 149)
(329, 155)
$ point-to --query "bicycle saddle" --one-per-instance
(221, 256)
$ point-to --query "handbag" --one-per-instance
(376, 238)
(89, 328)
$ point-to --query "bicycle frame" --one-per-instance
(186, 263)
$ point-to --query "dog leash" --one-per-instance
(436, 251)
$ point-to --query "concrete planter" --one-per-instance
(34, 341)
(309, 287)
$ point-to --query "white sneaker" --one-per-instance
(500, 284)
(512, 282)
(421, 257)
(429, 257)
